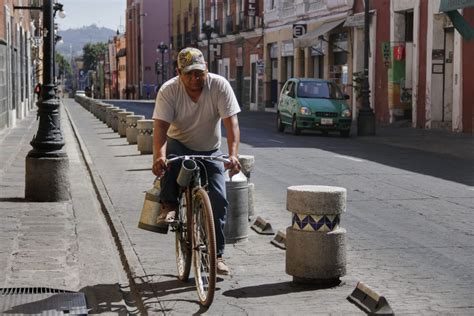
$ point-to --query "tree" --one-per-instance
(64, 67)
(92, 54)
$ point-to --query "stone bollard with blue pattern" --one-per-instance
(315, 243)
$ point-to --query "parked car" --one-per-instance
(313, 104)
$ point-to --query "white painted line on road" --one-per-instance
(275, 141)
(350, 158)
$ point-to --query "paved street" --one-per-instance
(409, 222)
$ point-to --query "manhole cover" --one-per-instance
(41, 301)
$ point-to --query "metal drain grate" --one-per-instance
(41, 301)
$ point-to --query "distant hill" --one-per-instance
(75, 39)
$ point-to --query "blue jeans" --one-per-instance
(217, 194)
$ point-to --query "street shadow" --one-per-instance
(116, 145)
(116, 137)
(274, 289)
(99, 299)
(155, 292)
(106, 133)
(110, 298)
(14, 200)
(132, 155)
(258, 129)
(135, 170)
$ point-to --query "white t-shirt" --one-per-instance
(196, 124)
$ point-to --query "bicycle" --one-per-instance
(195, 215)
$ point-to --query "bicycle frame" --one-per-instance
(195, 233)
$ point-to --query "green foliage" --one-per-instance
(63, 65)
(92, 54)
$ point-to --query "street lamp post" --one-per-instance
(47, 164)
(163, 49)
(366, 116)
(208, 31)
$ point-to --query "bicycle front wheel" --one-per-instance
(204, 251)
(183, 237)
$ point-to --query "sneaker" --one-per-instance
(167, 213)
(222, 267)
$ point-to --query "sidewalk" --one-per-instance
(57, 245)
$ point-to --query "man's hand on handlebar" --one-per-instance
(233, 166)
(159, 166)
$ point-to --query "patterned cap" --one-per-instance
(191, 58)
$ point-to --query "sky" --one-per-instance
(106, 13)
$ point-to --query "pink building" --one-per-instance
(147, 26)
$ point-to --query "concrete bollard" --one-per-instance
(315, 243)
(95, 108)
(145, 136)
(122, 123)
(99, 109)
(114, 119)
(247, 162)
(132, 131)
(103, 111)
(108, 115)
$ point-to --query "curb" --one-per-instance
(130, 261)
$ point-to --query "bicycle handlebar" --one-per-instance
(222, 158)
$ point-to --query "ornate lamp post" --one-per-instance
(47, 164)
(366, 117)
(163, 49)
(208, 33)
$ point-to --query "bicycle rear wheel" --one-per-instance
(204, 251)
(183, 237)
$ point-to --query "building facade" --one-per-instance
(148, 24)
(20, 44)
(307, 38)
(230, 35)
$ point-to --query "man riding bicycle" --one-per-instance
(188, 112)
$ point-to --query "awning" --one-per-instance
(312, 37)
(122, 52)
(450, 7)
(358, 19)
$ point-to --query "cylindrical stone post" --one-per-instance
(114, 119)
(315, 243)
(103, 111)
(247, 162)
(108, 117)
(122, 123)
(132, 131)
(145, 136)
(94, 108)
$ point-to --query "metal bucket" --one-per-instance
(236, 227)
(151, 210)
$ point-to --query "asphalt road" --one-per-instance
(409, 221)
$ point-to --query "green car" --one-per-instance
(313, 104)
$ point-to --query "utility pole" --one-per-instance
(47, 164)
(366, 116)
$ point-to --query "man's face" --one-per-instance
(194, 79)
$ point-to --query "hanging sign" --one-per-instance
(399, 52)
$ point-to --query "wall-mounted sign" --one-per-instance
(437, 54)
(299, 30)
(386, 54)
(251, 8)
